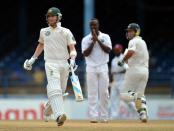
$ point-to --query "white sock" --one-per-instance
(56, 102)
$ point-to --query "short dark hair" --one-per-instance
(94, 19)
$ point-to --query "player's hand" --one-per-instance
(73, 64)
(28, 63)
(94, 35)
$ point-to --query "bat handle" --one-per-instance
(72, 70)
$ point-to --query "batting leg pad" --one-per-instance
(56, 100)
(143, 106)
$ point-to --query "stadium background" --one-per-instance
(21, 21)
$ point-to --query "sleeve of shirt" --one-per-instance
(41, 37)
(107, 41)
(132, 45)
(70, 38)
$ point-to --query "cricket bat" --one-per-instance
(76, 86)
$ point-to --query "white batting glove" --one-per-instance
(73, 64)
(28, 63)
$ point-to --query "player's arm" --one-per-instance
(128, 55)
(88, 51)
(71, 45)
(130, 51)
(73, 52)
(28, 63)
(105, 48)
(38, 50)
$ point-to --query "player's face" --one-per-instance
(94, 25)
(52, 20)
(130, 34)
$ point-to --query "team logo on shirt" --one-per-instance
(47, 33)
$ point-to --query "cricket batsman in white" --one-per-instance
(96, 47)
(136, 76)
(55, 41)
(117, 76)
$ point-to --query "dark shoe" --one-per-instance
(61, 119)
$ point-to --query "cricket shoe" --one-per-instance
(94, 120)
(61, 119)
(143, 116)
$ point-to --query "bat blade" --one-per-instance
(76, 87)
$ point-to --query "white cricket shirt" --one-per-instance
(98, 56)
(56, 41)
(141, 55)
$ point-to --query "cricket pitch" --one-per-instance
(70, 125)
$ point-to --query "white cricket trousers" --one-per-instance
(136, 80)
(97, 83)
(115, 95)
(57, 75)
